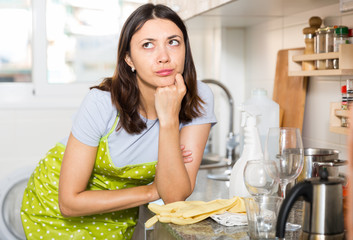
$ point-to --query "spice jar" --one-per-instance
(329, 45)
(310, 41)
(309, 34)
(350, 35)
(320, 47)
(344, 97)
(340, 37)
(344, 106)
(349, 87)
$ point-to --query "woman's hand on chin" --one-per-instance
(168, 101)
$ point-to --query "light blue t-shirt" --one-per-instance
(96, 117)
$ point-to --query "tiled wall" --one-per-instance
(263, 43)
(248, 60)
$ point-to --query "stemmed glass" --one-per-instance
(260, 177)
(284, 146)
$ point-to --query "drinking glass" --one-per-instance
(262, 212)
(284, 146)
(260, 177)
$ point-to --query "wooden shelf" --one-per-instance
(341, 113)
(336, 113)
(319, 56)
(345, 56)
(329, 72)
(339, 130)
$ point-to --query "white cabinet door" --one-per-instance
(187, 9)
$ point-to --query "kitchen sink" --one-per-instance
(213, 161)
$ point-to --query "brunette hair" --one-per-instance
(123, 85)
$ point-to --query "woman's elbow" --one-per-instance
(66, 213)
(65, 209)
(175, 197)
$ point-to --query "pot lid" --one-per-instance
(321, 154)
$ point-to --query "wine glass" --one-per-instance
(260, 177)
(284, 146)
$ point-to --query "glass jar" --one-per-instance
(320, 47)
(349, 85)
(344, 97)
(309, 48)
(350, 35)
(329, 45)
(340, 37)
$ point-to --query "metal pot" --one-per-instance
(317, 158)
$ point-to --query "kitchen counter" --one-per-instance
(205, 230)
(211, 230)
(206, 190)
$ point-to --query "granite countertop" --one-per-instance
(207, 190)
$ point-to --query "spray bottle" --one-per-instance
(252, 151)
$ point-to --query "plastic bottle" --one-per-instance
(266, 110)
(251, 151)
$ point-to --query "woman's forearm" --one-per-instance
(75, 200)
(172, 179)
(103, 201)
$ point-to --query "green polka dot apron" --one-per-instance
(40, 214)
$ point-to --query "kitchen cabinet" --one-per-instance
(239, 13)
(246, 13)
(187, 9)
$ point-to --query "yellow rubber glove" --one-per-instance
(188, 212)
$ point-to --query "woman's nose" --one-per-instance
(163, 55)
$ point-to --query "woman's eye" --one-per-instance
(174, 42)
(147, 45)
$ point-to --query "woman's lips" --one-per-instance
(164, 72)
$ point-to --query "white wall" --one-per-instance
(219, 54)
(29, 130)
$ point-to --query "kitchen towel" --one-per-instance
(188, 212)
(230, 219)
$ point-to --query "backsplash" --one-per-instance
(245, 58)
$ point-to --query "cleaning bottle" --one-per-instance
(252, 151)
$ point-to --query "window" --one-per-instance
(82, 38)
(15, 41)
(58, 47)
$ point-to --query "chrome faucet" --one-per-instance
(231, 142)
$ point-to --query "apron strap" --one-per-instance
(114, 125)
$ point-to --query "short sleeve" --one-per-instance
(92, 119)
(208, 115)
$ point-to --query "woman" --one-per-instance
(89, 187)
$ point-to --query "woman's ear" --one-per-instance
(129, 61)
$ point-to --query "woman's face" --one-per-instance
(157, 52)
